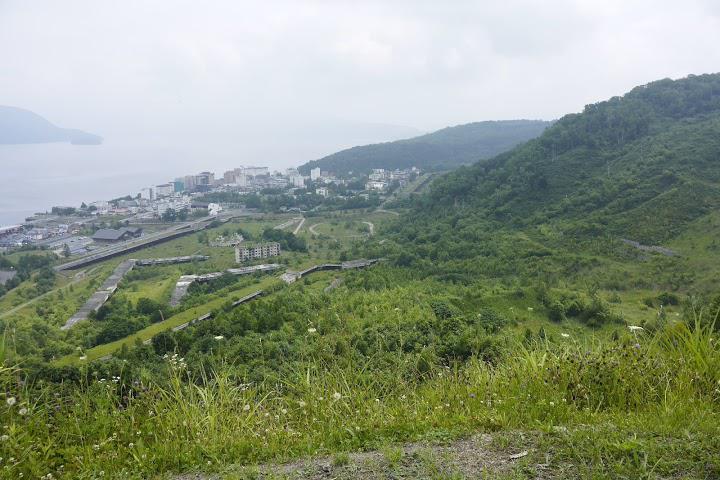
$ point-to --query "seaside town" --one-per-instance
(78, 230)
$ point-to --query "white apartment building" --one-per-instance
(315, 174)
(164, 190)
(297, 180)
(147, 193)
(260, 250)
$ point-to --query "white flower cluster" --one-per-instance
(175, 361)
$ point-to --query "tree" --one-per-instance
(169, 215)
(164, 342)
(66, 250)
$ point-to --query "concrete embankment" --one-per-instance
(102, 295)
(106, 290)
(184, 282)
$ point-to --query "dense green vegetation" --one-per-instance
(441, 150)
(28, 265)
(642, 167)
(508, 301)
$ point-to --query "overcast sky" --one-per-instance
(174, 70)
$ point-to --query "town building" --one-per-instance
(214, 209)
(256, 171)
(375, 185)
(164, 190)
(322, 191)
(110, 235)
(260, 250)
(11, 229)
(315, 174)
(147, 193)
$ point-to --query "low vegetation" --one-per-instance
(509, 301)
(643, 405)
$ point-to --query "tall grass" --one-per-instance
(659, 387)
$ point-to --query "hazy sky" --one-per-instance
(267, 76)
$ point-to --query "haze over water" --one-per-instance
(37, 177)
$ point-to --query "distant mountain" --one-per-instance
(19, 126)
(446, 148)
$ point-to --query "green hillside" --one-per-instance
(443, 149)
(509, 317)
(642, 167)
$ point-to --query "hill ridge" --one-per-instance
(446, 148)
(21, 126)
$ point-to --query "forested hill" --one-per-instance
(18, 126)
(644, 166)
(641, 165)
(446, 148)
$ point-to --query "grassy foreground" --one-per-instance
(641, 407)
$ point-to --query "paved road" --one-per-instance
(145, 241)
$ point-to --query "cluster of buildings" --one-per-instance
(253, 179)
(380, 178)
(43, 234)
(178, 199)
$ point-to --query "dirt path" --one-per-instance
(371, 228)
(297, 229)
(480, 456)
(312, 229)
(382, 210)
(288, 223)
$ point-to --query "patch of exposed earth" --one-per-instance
(480, 456)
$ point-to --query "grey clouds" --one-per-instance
(263, 80)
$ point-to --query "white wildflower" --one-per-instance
(565, 335)
(10, 401)
(302, 404)
(219, 337)
(337, 396)
(23, 411)
(312, 330)
(4, 438)
(635, 328)
(284, 411)
(246, 407)
(530, 309)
